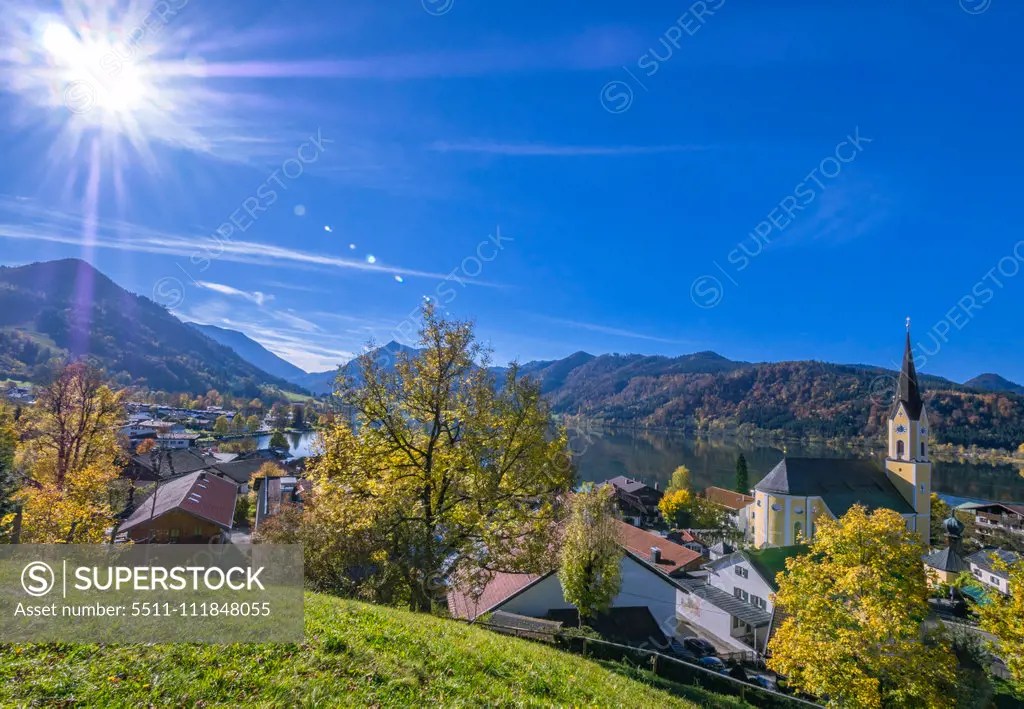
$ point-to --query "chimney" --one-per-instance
(655, 555)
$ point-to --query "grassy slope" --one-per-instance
(354, 655)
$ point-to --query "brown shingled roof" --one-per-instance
(200, 494)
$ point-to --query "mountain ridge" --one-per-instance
(55, 311)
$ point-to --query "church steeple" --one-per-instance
(908, 392)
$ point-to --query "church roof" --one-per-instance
(840, 482)
(946, 559)
(908, 392)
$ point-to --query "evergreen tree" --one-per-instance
(278, 440)
(742, 476)
(298, 417)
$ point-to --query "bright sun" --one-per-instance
(98, 75)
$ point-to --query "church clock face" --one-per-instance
(901, 429)
(923, 430)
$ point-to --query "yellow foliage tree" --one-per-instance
(852, 611)
(590, 555)
(1003, 616)
(446, 473)
(680, 479)
(674, 504)
(70, 455)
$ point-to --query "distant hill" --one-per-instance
(251, 351)
(56, 310)
(993, 382)
(325, 382)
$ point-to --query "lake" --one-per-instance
(651, 456)
(300, 445)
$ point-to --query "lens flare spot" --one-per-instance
(370, 258)
(299, 210)
(399, 279)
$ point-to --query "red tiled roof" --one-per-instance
(727, 498)
(206, 496)
(500, 588)
(673, 556)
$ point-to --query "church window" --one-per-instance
(900, 449)
(798, 511)
(776, 507)
(797, 529)
(922, 449)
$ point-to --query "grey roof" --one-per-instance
(840, 482)
(908, 392)
(946, 559)
(627, 484)
(171, 463)
(240, 470)
(750, 614)
(983, 559)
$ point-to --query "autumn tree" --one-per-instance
(852, 610)
(675, 506)
(742, 476)
(238, 424)
(255, 407)
(8, 477)
(145, 446)
(221, 426)
(680, 479)
(1003, 616)
(278, 440)
(444, 473)
(590, 554)
(70, 456)
(252, 424)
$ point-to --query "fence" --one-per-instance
(663, 666)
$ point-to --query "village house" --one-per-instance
(637, 502)
(733, 602)
(176, 441)
(193, 509)
(651, 567)
(997, 517)
(983, 566)
(275, 493)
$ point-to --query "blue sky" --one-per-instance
(630, 156)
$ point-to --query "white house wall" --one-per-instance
(641, 586)
(726, 579)
(705, 615)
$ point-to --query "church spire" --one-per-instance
(908, 392)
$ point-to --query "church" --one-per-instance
(798, 491)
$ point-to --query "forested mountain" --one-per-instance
(251, 351)
(56, 310)
(800, 398)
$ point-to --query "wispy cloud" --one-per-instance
(257, 297)
(547, 150)
(47, 225)
(841, 214)
(604, 329)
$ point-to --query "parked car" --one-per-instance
(676, 649)
(714, 664)
(700, 647)
(762, 681)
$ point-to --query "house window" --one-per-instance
(759, 602)
(976, 572)
(175, 535)
(900, 449)
(994, 579)
(197, 531)
(741, 594)
(741, 572)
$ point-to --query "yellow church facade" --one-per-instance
(793, 497)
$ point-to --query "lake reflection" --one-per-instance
(651, 456)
